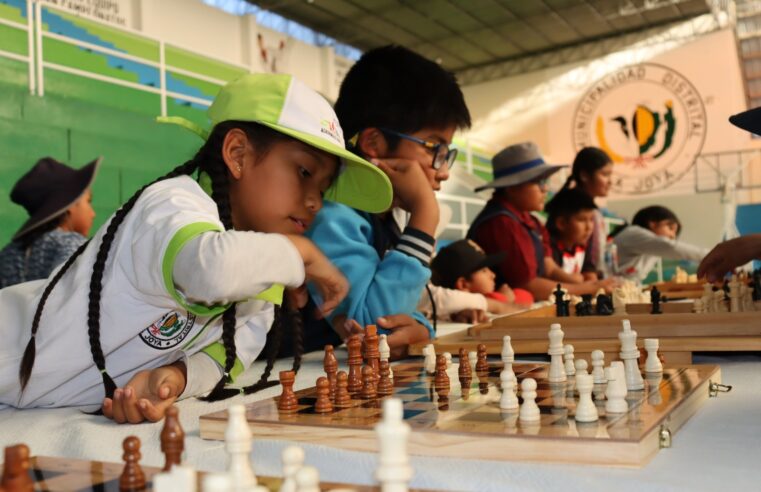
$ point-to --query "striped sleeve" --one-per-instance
(417, 244)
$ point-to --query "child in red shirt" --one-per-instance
(506, 225)
(570, 222)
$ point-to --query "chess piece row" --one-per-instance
(336, 388)
(737, 290)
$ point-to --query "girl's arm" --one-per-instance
(644, 241)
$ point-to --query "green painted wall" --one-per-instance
(77, 120)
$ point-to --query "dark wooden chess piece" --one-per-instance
(441, 380)
(372, 353)
(561, 308)
(584, 308)
(385, 385)
(465, 387)
(330, 364)
(16, 468)
(655, 300)
(756, 284)
(172, 438)
(132, 477)
(287, 403)
(482, 362)
(323, 404)
(343, 399)
(464, 371)
(369, 391)
(355, 364)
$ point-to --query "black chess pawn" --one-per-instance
(655, 300)
(580, 308)
(561, 308)
(604, 305)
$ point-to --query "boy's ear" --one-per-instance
(372, 143)
(235, 150)
(561, 223)
(461, 284)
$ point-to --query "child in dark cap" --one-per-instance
(57, 199)
(464, 266)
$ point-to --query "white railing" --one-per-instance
(462, 202)
(37, 64)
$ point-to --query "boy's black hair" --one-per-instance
(396, 88)
(566, 203)
(208, 159)
(655, 213)
(587, 161)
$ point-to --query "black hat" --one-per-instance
(460, 259)
(749, 120)
(49, 189)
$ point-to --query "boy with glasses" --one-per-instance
(402, 111)
(506, 225)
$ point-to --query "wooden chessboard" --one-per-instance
(469, 424)
(67, 474)
(680, 331)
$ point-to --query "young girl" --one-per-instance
(652, 234)
(58, 200)
(136, 315)
(592, 173)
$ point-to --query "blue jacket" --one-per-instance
(381, 283)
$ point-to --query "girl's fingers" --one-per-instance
(107, 408)
(129, 403)
(118, 409)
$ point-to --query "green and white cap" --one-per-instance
(289, 106)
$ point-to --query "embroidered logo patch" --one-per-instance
(168, 331)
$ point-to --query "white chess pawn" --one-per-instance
(529, 411)
(615, 392)
(473, 359)
(430, 358)
(598, 363)
(508, 354)
(448, 356)
(383, 347)
(698, 307)
(217, 482)
(619, 302)
(586, 411)
(630, 356)
(718, 302)
(734, 295)
(581, 367)
(308, 479)
(570, 368)
(179, 479)
(394, 471)
(652, 363)
(238, 445)
(556, 351)
(508, 401)
(293, 460)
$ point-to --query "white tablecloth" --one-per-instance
(719, 448)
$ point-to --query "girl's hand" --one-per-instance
(332, 285)
(147, 395)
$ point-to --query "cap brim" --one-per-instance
(748, 120)
(85, 177)
(360, 184)
(493, 260)
(531, 174)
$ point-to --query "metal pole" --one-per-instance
(38, 33)
(30, 45)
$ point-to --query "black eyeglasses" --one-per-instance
(442, 154)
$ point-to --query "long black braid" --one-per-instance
(209, 160)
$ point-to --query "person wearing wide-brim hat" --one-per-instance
(506, 224)
(57, 199)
